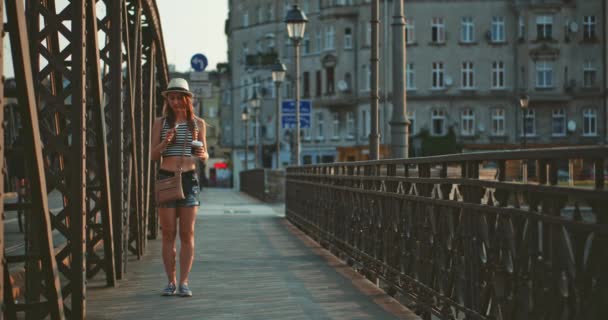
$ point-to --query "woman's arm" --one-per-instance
(202, 136)
(158, 146)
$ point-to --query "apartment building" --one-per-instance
(468, 62)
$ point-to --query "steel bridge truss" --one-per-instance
(88, 75)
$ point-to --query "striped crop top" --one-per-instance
(183, 136)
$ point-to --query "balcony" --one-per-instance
(261, 59)
(339, 11)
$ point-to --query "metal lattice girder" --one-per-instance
(40, 218)
(3, 267)
(61, 91)
(81, 105)
(99, 220)
(133, 29)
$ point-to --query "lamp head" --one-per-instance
(524, 101)
(254, 101)
(296, 23)
(245, 114)
(278, 72)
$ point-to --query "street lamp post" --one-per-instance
(296, 23)
(524, 100)
(278, 75)
(245, 118)
(254, 104)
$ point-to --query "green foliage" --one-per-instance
(439, 145)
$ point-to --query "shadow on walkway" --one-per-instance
(250, 264)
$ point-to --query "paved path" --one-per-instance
(250, 264)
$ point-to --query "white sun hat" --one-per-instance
(178, 85)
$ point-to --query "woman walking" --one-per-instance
(172, 138)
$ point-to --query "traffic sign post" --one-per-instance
(199, 62)
(288, 111)
(289, 121)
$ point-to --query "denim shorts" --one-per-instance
(190, 187)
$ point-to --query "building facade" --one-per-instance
(468, 62)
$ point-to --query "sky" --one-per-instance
(194, 26)
(189, 27)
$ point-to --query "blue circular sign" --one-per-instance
(199, 62)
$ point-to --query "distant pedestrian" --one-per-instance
(171, 140)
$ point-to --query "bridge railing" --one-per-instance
(499, 235)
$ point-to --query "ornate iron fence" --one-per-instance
(500, 235)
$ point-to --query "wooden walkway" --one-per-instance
(250, 264)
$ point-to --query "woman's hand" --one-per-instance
(201, 153)
(170, 137)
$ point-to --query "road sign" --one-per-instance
(289, 121)
(199, 62)
(289, 107)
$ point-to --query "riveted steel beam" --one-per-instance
(40, 216)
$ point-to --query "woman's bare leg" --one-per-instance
(187, 217)
(168, 223)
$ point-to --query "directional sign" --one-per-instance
(289, 107)
(289, 121)
(199, 62)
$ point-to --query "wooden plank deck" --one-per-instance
(250, 264)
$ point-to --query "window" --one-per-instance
(544, 74)
(350, 125)
(589, 122)
(368, 34)
(589, 28)
(467, 122)
(498, 122)
(438, 123)
(558, 122)
(306, 44)
(410, 77)
(320, 124)
(468, 75)
(336, 125)
(260, 14)
(544, 27)
(498, 75)
(530, 122)
(270, 12)
(330, 34)
(498, 29)
(589, 73)
(467, 30)
(318, 84)
(437, 30)
(318, 41)
(348, 39)
(521, 31)
(367, 74)
(437, 75)
(245, 51)
(411, 116)
(329, 73)
(410, 31)
(305, 6)
(246, 19)
(348, 80)
(365, 123)
(306, 84)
